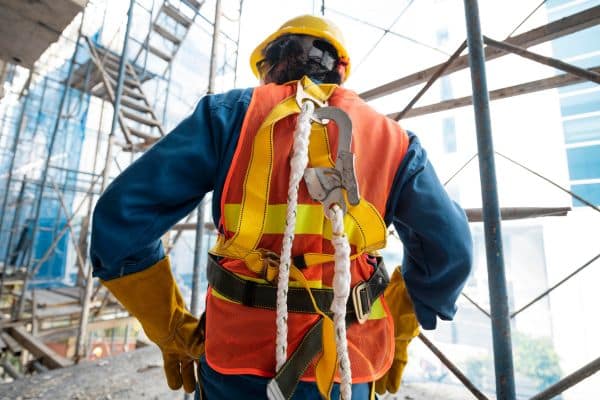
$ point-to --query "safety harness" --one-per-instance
(336, 188)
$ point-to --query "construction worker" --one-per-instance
(243, 145)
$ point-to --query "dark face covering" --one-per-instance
(291, 57)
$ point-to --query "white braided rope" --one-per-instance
(298, 164)
(341, 291)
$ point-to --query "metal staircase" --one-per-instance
(138, 121)
(169, 28)
(98, 76)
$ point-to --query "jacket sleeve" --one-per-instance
(163, 185)
(435, 234)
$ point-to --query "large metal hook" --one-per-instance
(325, 184)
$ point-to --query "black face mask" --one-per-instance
(292, 56)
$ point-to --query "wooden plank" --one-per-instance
(63, 311)
(553, 30)
(72, 292)
(64, 331)
(11, 344)
(47, 298)
(510, 91)
(139, 118)
(512, 213)
(176, 15)
(36, 347)
(194, 4)
(162, 31)
(9, 324)
(10, 370)
(189, 226)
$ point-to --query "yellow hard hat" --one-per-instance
(305, 25)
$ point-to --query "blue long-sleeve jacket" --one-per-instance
(170, 179)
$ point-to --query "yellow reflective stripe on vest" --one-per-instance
(310, 220)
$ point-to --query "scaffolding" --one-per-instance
(48, 210)
(47, 197)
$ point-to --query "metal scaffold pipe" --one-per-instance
(89, 282)
(198, 248)
(11, 234)
(9, 179)
(503, 360)
(13, 148)
(213, 51)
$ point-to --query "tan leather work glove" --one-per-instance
(406, 327)
(152, 296)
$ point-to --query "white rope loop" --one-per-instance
(298, 164)
(341, 291)
(341, 279)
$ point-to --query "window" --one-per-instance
(446, 89)
(556, 3)
(582, 129)
(441, 36)
(581, 103)
(449, 134)
(577, 87)
(584, 162)
(589, 192)
(576, 44)
(563, 8)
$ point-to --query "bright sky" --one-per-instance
(398, 53)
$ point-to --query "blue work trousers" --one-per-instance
(249, 387)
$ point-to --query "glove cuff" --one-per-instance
(152, 296)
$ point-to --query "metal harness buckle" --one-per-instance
(361, 300)
(270, 265)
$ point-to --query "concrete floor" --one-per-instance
(139, 375)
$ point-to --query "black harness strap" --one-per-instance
(262, 295)
(284, 384)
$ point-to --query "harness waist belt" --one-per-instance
(253, 294)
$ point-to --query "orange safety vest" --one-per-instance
(240, 339)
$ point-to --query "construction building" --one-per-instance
(87, 86)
